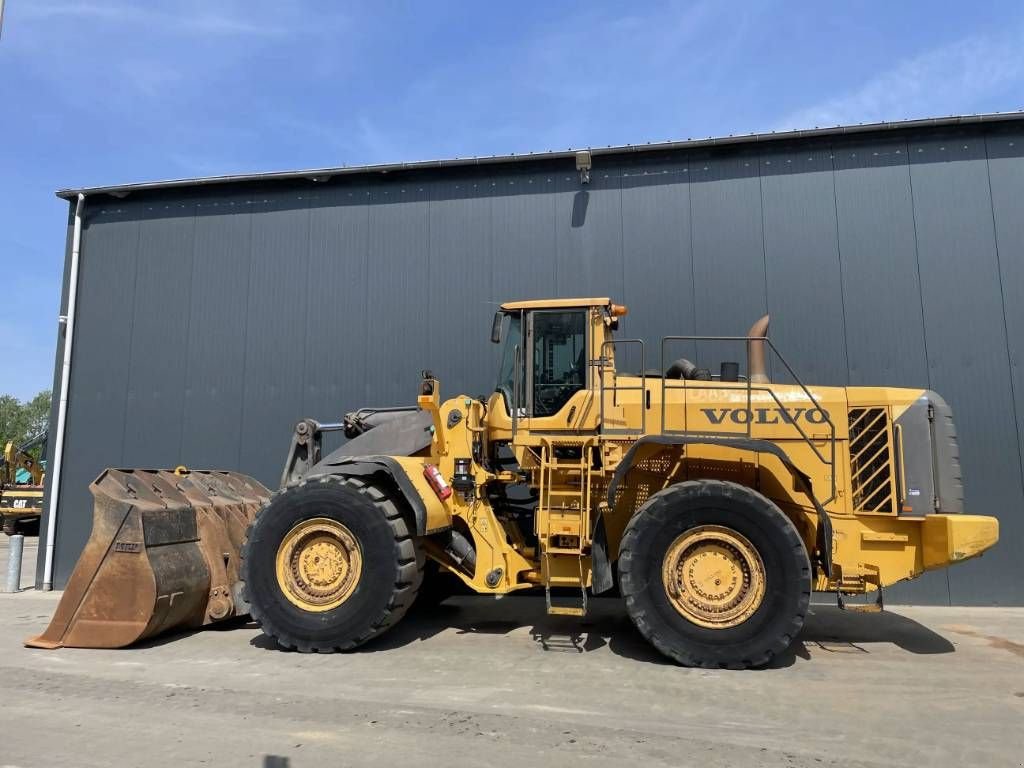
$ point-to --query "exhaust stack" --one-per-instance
(756, 351)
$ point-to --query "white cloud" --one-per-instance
(957, 78)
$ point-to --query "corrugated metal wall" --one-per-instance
(211, 319)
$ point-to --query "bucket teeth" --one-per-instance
(163, 555)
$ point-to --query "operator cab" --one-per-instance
(548, 345)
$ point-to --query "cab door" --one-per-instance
(558, 375)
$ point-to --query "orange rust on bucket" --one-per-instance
(163, 555)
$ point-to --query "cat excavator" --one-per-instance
(711, 503)
(21, 484)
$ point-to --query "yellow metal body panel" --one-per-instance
(874, 543)
(439, 513)
(497, 546)
(21, 502)
(955, 538)
(21, 492)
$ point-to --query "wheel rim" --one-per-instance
(714, 577)
(318, 564)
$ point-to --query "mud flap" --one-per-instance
(601, 567)
(163, 555)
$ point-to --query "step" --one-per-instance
(564, 610)
(563, 552)
(863, 608)
(563, 581)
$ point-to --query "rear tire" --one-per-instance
(727, 535)
(386, 577)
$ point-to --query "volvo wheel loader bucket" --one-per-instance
(163, 555)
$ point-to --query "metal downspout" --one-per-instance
(68, 321)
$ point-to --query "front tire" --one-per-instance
(715, 575)
(329, 564)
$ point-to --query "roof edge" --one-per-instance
(555, 303)
(324, 174)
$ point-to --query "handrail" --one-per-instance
(642, 387)
(828, 420)
(516, 355)
(831, 462)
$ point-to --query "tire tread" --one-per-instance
(656, 508)
(409, 560)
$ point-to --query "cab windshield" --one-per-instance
(506, 373)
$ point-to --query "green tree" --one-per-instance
(37, 413)
(12, 419)
(19, 421)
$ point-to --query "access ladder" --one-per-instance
(562, 521)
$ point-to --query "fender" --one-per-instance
(824, 533)
(430, 513)
(401, 436)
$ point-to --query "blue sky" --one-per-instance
(96, 92)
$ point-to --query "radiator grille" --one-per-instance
(871, 461)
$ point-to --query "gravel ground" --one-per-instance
(484, 682)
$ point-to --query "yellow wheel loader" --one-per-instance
(713, 502)
(21, 484)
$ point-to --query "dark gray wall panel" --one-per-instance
(804, 282)
(657, 259)
(523, 236)
(881, 292)
(100, 359)
(158, 357)
(459, 288)
(878, 248)
(728, 251)
(1006, 175)
(275, 329)
(337, 304)
(397, 337)
(212, 318)
(211, 432)
(967, 346)
(588, 220)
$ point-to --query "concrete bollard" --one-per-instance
(16, 545)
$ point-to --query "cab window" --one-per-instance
(507, 374)
(559, 359)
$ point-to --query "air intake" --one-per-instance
(871, 461)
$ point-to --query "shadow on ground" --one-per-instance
(828, 630)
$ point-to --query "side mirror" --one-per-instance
(499, 317)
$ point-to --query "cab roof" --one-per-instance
(555, 303)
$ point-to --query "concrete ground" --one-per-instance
(479, 682)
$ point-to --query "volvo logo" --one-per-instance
(766, 415)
